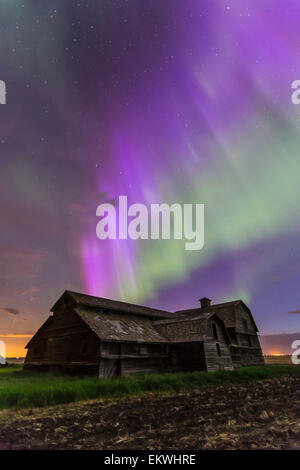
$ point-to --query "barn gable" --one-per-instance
(241, 328)
(64, 343)
(228, 311)
(46, 324)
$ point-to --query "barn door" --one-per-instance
(111, 368)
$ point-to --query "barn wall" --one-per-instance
(243, 333)
(244, 321)
(132, 366)
(130, 358)
(250, 352)
(246, 356)
(213, 360)
(216, 348)
(67, 345)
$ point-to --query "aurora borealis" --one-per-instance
(162, 101)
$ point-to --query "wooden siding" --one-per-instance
(249, 352)
(246, 356)
(125, 366)
(216, 348)
(66, 345)
(129, 358)
(213, 360)
(132, 366)
(246, 348)
(244, 321)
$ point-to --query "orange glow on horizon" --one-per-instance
(15, 344)
(15, 335)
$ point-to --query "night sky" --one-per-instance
(163, 101)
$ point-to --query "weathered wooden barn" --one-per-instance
(105, 338)
(244, 343)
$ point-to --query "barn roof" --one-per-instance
(102, 303)
(115, 326)
(177, 334)
(215, 307)
(231, 303)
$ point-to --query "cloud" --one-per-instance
(29, 294)
(11, 310)
(16, 261)
(294, 311)
(31, 290)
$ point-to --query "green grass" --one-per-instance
(22, 389)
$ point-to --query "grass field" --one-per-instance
(278, 360)
(20, 389)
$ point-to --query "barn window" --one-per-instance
(245, 324)
(215, 332)
(218, 350)
(84, 347)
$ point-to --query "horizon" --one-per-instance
(272, 344)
